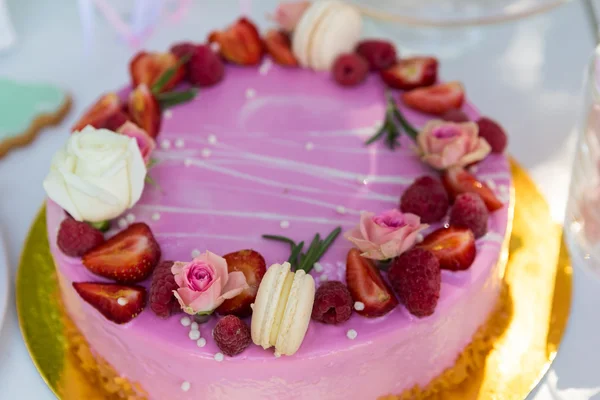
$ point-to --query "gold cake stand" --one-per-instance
(538, 278)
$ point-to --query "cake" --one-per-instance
(271, 149)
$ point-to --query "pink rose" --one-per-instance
(443, 144)
(287, 15)
(386, 235)
(144, 141)
(204, 283)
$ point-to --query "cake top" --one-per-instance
(298, 166)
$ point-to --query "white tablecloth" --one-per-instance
(526, 74)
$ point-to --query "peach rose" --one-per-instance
(443, 144)
(386, 235)
(287, 15)
(144, 141)
(204, 283)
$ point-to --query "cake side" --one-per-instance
(261, 161)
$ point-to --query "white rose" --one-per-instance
(97, 176)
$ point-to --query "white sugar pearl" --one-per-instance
(359, 306)
(185, 386)
(195, 253)
(165, 144)
(122, 223)
(130, 218)
(155, 216)
(187, 162)
(284, 224)
(340, 209)
(194, 326)
(419, 238)
(250, 93)
(309, 146)
(206, 153)
(201, 342)
(194, 335)
(318, 267)
(212, 139)
(185, 321)
(351, 334)
(219, 357)
(473, 169)
(179, 143)
(168, 114)
(324, 277)
(122, 301)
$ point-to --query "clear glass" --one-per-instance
(582, 224)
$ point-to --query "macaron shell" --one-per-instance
(265, 304)
(319, 33)
(297, 314)
(341, 34)
(301, 40)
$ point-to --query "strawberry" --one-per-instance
(252, 264)
(145, 110)
(97, 115)
(279, 47)
(454, 247)
(436, 99)
(118, 303)
(148, 67)
(367, 286)
(128, 257)
(457, 180)
(115, 121)
(411, 73)
(240, 43)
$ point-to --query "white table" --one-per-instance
(526, 74)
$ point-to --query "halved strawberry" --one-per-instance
(454, 247)
(457, 180)
(411, 73)
(240, 43)
(436, 99)
(128, 257)
(118, 303)
(144, 110)
(367, 286)
(115, 121)
(279, 47)
(148, 67)
(252, 264)
(97, 115)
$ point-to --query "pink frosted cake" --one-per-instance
(280, 151)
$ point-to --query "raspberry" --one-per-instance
(350, 69)
(232, 335)
(77, 238)
(380, 54)
(333, 303)
(415, 276)
(162, 301)
(455, 115)
(493, 133)
(469, 211)
(182, 49)
(205, 67)
(427, 198)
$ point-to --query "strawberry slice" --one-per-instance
(128, 257)
(144, 110)
(457, 180)
(102, 111)
(252, 264)
(279, 47)
(118, 303)
(240, 43)
(454, 247)
(411, 73)
(436, 99)
(148, 67)
(367, 286)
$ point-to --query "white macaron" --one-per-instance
(282, 309)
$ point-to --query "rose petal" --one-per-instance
(208, 300)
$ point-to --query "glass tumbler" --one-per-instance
(582, 223)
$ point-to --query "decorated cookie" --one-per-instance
(28, 107)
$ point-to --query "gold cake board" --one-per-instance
(538, 278)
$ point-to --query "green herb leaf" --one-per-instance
(152, 163)
(296, 251)
(382, 130)
(168, 75)
(170, 99)
(102, 226)
(389, 131)
(280, 239)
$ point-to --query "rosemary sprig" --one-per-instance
(168, 75)
(170, 99)
(317, 248)
(389, 130)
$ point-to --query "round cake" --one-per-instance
(273, 150)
